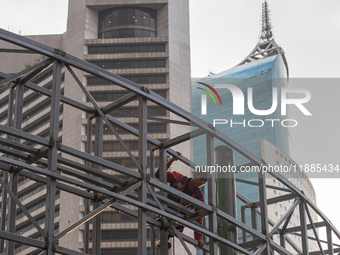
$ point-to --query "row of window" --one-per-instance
(27, 100)
(35, 206)
(140, 79)
(124, 251)
(114, 95)
(40, 220)
(126, 64)
(134, 112)
(153, 128)
(127, 162)
(20, 247)
(119, 234)
(31, 191)
(116, 146)
(127, 33)
(133, 48)
(41, 122)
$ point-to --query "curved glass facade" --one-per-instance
(124, 22)
(262, 75)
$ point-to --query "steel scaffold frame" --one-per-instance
(86, 180)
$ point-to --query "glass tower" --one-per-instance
(264, 70)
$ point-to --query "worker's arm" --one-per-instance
(168, 165)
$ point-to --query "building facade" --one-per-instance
(146, 41)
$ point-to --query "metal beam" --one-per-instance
(97, 221)
(142, 160)
(297, 229)
(326, 251)
(278, 199)
(38, 66)
(284, 217)
(119, 103)
(257, 184)
(82, 176)
(293, 245)
(19, 146)
(94, 213)
(303, 228)
(53, 156)
(3, 211)
(91, 170)
(163, 178)
(61, 186)
(183, 138)
(11, 216)
(213, 224)
(96, 106)
(20, 239)
(314, 230)
(16, 200)
(24, 135)
(66, 251)
(264, 213)
(99, 161)
(329, 240)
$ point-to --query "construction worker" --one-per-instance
(191, 187)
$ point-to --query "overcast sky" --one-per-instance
(223, 33)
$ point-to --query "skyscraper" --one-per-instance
(144, 41)
(263, 72)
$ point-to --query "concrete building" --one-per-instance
(146, 41)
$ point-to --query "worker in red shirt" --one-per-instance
(191, 187)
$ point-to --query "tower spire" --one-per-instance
(266, 30)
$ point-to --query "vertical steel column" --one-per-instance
(52, 155)
(205, 221)
(98, 143)
(226, 188)
(264, 213)
(86, 237)
(142, 158)
(330, 240)
(282, 239)
(5, 177)
(243, 218)
(152, 162)
(303, 225)
(163, 178)
(212, 195)
(253, 218)
(19, 95)
(3, 211)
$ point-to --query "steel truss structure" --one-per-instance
(83, 176)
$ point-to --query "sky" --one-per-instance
(222, 34)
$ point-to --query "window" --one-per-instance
(140, 79)
(113, 23)
(113, 217)
(128, 64)
(114, 95)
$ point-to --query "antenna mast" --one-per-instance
(266, 31)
